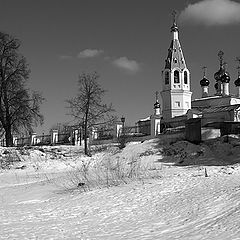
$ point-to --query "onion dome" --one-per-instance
(174, 27)
(237, 82)
(156, 105)
(204, 82)
(225, 78)
(219, 74)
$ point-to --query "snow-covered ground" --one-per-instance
(183, 191)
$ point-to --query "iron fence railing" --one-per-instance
(42, 140)
(135, 131)
(22, 141)
(65, 138)
(105, 134)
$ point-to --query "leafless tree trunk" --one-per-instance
(18, 109)
(87, 107)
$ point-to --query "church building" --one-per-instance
(176, 94)
(177, 104)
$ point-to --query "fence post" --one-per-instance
(77, 134)
(14, 140)
(33, 138)
(117, 129)
(94, 133)
(54, 136)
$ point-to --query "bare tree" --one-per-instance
(19, 109)
(87, 107)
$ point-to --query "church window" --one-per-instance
(175, 60)
(176, 77)
(166, 78)
(185, 77)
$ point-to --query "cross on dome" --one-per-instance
(157, 94)
(220, 55)
(174, 14)
(204, 71)
(238, 67)
(174, 27)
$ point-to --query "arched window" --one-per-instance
(166, 78)
(176, 77)
(185, 77)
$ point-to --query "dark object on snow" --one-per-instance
(22, 167)
(81, 184)
(206, 175)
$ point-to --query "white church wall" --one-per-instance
(234, 101)
(180, 103)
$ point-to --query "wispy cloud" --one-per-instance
(129, 65)
(89, 53)
(211, 13)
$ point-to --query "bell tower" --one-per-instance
(176, 94)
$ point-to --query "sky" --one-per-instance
(125, 41)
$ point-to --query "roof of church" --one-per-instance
(195, 110)
(175, 56)
(212, 97)
(220, 108)
(145, 119)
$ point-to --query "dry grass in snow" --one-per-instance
(149, 190)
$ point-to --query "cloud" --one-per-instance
(211, 13)
(127, 64)
(89, 53)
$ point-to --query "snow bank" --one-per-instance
(181, 203)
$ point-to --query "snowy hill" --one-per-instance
(148, 190)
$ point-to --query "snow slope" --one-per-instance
(173, 199)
